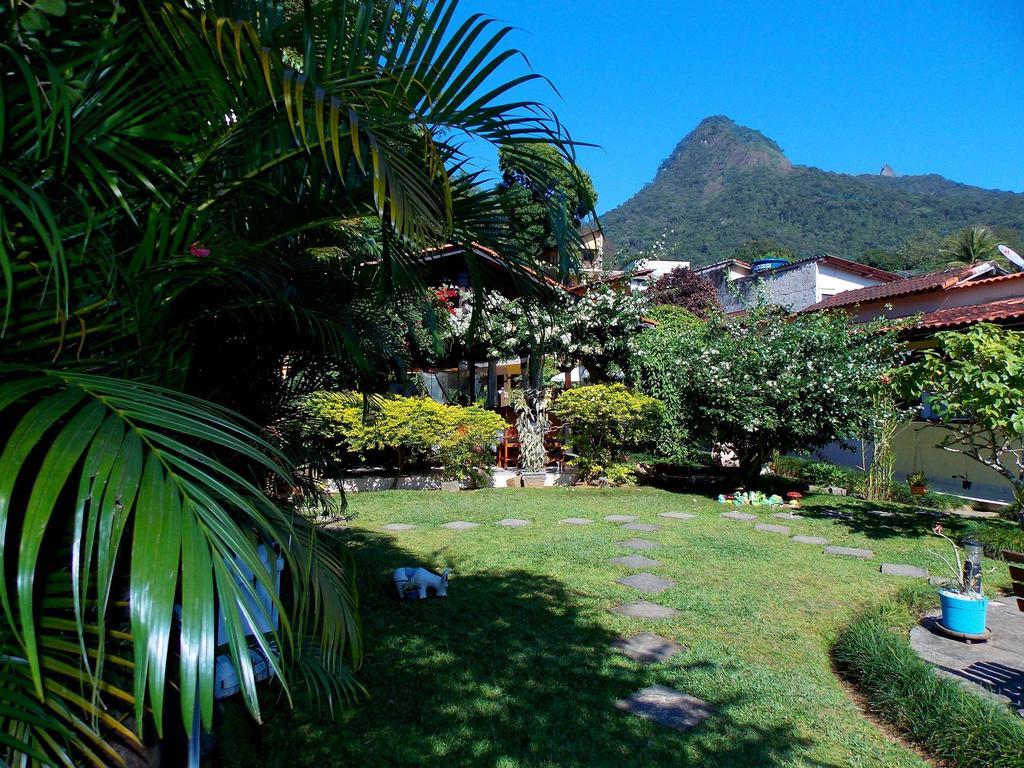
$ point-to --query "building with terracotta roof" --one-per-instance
(795, 285)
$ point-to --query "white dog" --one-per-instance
(419, 580)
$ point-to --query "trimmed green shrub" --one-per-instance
(606, 422)
(409, 431)
(956, 726)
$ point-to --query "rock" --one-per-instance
(620, 518)
(645, 609)
(512, 522)
(646, 582)
(635, 561)
(460, 525)
(910, 571)
(818, 540)
(638, 543)
(576, 521)
(863, 554)
(667, 706)
(648, 647)
(643, 527)
(742, 516)
(784, 529)
(397, 527)
(676, 515)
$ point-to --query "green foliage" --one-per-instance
(996, 536)
(970, 245)
(672, 319)
(958, 727)
(543, 196)
(764, 382)
(409, 431)
(725, 185)
(975, 385)
(605, 422)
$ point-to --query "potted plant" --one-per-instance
(964, 607)
(917, 482)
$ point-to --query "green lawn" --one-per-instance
(515, 667)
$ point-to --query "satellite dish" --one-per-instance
(1012, 256)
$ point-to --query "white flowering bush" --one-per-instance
(763, 383)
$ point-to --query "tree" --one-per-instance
(544, 197)
(762, 383)
(195, 209)
(970, 245)
(685, 288)
(752, 250)
(974, 381)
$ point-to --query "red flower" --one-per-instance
(199, 250)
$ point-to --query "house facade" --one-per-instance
(793, 286)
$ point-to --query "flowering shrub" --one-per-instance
(688, 290)
(606, 421)
(409, 431)
(764, 382)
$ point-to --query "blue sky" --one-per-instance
(928, 87)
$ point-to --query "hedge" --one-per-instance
(953, 724)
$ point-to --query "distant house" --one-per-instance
(647, 271)
(951, 299)
(794, 286)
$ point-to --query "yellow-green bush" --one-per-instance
(409, 431)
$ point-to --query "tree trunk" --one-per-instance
(492, 384)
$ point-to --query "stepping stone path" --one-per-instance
(821, 541)
(638, 543)
(646, 582)
(667, 706)
(459, 525)
(647, 647)
(912, 571)
(880, 513)
(676, 515)
(645, 527)
(576, 521)
(787, 516)
(835, 514)
(512, 522)
(645, 609)
(783, 529)
(620, 518)
(398, 527)
(863, 554)
(742, 516)
(635, 561)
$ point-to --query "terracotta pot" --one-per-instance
(918, 490)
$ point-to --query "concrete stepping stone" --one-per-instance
(787, 516)
(910, 571)
(576, 521)
(835, 514)
(676, 515)
(742, 516)
(635, 561)
(513, 522)
(639, 543)
(459, 525)
(644, 527)
(783, 529)
(398, 527)
(647, 647)
(821, 541)
(620, 518)
(863, 554)
(646, 582)
(881, 513)
(667, 706)
(645, 609)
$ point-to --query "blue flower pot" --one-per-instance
(962, 614)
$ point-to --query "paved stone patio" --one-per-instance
(576, 521)
(667, 706)
(635, 561)
(676, 515)
(638, 543)
(648, 648)
(645, 609)
(783, 529)
(646, 582)
(643, 527)
(995, 668)
(398, 527)
(910, 571)
(819, 540)
(513, 522)
(459, 525)
(863, 554)
(742, 516)
(620, 518)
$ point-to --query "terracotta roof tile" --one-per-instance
(929, 282)
(979, 313)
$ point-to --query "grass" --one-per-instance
(958, 727)
(515, 667)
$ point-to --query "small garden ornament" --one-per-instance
(964, 606)
(413, 583)
(917, 482)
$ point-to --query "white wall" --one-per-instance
(833, 280)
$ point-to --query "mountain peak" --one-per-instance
(887, 171)
(717, 146)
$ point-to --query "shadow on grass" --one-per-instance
(880, 520)
(504, 672)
